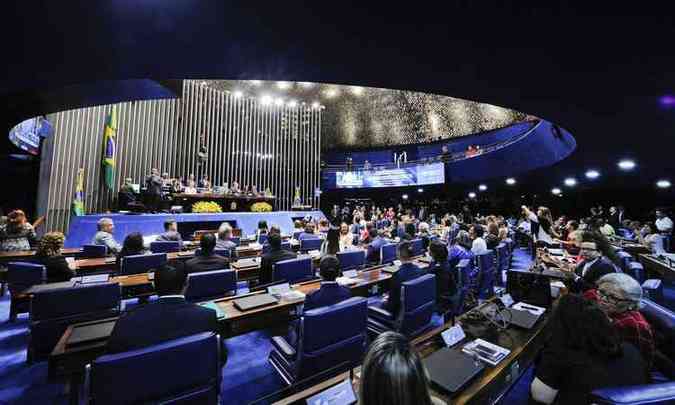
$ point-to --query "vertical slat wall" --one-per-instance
(264, 145)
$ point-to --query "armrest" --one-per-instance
(635, 394)
(380, 313)
(279, 343)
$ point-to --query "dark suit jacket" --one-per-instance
(170, 236)
(269, 259)
(598, 269)
(446, 284)
(406, 272)
(206, 263)
(165, 319)
(330, 293)
(57, 268)
(373, 255)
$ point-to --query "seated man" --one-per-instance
(593, 266)
(406, 272)
(170, 317)
(170, 233)
(330, 292)
(308, 232)
(224, 237)
(206, 261)
(269, 259)
(105, 237)
(373, 255)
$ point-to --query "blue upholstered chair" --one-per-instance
(52, 311)
(262, 238)
(663, 321)
(294, 270)
(625, 259)
(179, 371)
(165, 246)
(653, 289)
(296, 234)
(503, 260)
(236, 240)
(636, 271)
(137, 264)
(286, 245)
(388, 253)
(652, 394)
(351, 259)
(328, 336)
(418, 297)
(20, 277)
(93, 251)
(417, 246)
(487, 273)
(310, 244)
(217, 252)
(207, 285)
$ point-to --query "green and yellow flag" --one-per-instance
(78, 201)
(110, 147)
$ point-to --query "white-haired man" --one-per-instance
(104, 236)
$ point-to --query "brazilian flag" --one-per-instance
(78, 201)
(110, 147)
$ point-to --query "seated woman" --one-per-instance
(17, 234)
(331, 246)
(652, 239)
(49, 255)
(446, 285)
(619, 296)
(583, 354)
(425, 234)
(572, 243)
(392, 373)
(324, 225)
(133, 245)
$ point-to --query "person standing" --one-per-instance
(17, 233)
(664, 226)
(153, 190)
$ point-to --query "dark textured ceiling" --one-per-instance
(596, 68)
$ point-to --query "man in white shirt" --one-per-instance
(605, 228)
(663, 224)
(478, 246)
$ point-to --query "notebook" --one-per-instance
(340, 394)
(212, 305)
(90, 333)
(255, 301)
(451, 369)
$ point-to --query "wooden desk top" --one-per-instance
(8, 256)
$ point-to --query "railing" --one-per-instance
(453, 157)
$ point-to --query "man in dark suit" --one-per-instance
(406, 272)
(153, 190)
(206, 260)
(171, 233)
(593, 266)
(373, 255)
(170, 317)
(276, 254)
(330, 292)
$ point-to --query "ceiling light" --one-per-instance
(284, 85)
(570, 182)
(357, 90)
(482, 187)
(331, 92)
(592, 174)
(420, 190)
(626, 164)
(237, 94)
(316, 105)
(306, 85)
(279, 102)
(663, 183)
(266, 99)
(510, 181)
(292, 103)
(256, 82)
(472, 195)
(556, 191)
(404, 196)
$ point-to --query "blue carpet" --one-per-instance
(247, 376)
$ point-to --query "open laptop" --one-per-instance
(451, 370)
(529, 287)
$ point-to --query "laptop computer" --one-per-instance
(530, 288)
(255, 301)
(451, 370)
(90, 333)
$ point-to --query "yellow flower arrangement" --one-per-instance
(206, 207)
(261, 207)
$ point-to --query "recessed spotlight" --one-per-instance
(592, 174)
(256, 82)
(510, 181)
(292, 103)
(663, 183)
(357, 90)
(316, 105)
(331, 92)
(570, 182)
(404, 196)
(472, 195)
(284, 85)
(556, 191)
(238, 94)
(420, 190)
(306, 85)
(626, 164)
(482, 187)
(266, 99)
(279, 102)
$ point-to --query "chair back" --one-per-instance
(218, 252)
(22, 275)
(417, 246)
(332, 335)
(503, 257)
(465, 273)
(487, 270)
(310, 244)
(296, 234)
(652, 394)
(625, 259)
(388, 253)
(294, 270)
(165, 246)
(418, 297)
(206, 285)
(93, 251)
(184, 370)
(636, 271)
(285, 245)
(136, 264)
(663, 321)
(351, 259)
(262, 238)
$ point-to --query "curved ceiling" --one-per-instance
(599, 72)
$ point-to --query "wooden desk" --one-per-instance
(633, 248)
(657, 268)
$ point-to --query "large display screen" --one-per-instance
(418, 175)
(26, 135)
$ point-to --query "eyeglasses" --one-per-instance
(611, 298)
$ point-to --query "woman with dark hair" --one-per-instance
(49, 254)
(585, 353)
(446, 286)
(133, 245)
(331, 246)
(17, 233)
(542, 225)
(393, 374)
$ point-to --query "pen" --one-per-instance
(528, 307)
